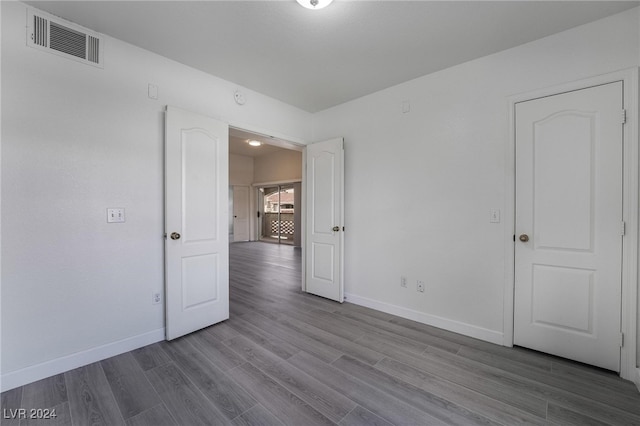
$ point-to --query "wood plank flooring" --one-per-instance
(285, 357)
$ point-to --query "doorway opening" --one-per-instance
(265, 178)
(323, 188)
(265, 200)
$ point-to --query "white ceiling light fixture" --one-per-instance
(314, 4)
(254, 143)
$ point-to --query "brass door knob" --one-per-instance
(336, 228)
(524, 238)
(175, 236)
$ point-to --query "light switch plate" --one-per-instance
(115, 215)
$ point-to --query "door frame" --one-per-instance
(629, 298)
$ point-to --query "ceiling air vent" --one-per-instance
(57, 36)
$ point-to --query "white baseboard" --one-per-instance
(436, 321)
(60, 365)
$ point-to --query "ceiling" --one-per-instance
(318, 59)
(238, 144)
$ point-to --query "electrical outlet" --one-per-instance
(156, 298)
(403, 282)
(420, 286)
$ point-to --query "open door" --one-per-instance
(324, 181)
(197, 240)
(241, 213)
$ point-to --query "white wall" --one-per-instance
(240, 170)
(75, 141)
(419, 186)
(638, 305)
(280, 166)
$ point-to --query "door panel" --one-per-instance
(552, 287)
(196, 197)
(199, 186)
(196, 269)
(563, 216)
(323, 262)
(569, 205)
(324, 236)
(322, 195)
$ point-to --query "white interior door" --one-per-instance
(240, 213)
(196, 209)
(569, 225)
(324, 219)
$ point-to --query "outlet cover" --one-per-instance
(152, 91)
(420, 286)
(494, 216)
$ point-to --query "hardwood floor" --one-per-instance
(285, 357)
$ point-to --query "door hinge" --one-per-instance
(624, 116)
(623, 228)
(621, 340)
